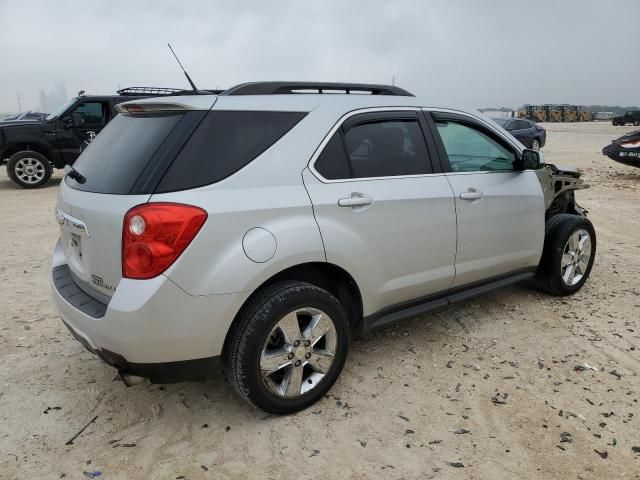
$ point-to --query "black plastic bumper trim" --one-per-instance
(63, 281)
(197, 370)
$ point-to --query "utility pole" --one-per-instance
(19, 103)
(393, 80)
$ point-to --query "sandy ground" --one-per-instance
(402, 396)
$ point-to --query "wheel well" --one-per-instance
(330, 277)
(563, 203)
(324, 275)
(19, 147)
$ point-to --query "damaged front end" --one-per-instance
(559, 185)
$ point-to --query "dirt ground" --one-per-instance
(405, 394)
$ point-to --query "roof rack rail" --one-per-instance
(160, 91)
(280, 88)
(149, 91)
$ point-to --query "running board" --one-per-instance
(395, 313)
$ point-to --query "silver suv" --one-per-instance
(266, 225)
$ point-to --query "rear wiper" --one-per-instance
(74, 174)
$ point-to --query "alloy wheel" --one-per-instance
(299, 352)
(575, 257)
(30, 170)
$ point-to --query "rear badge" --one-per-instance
(99, 282)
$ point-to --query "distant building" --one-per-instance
(604, 115)
(49, 101)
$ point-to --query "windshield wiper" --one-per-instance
(74, 174)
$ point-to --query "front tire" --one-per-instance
(29, 169)
(568, 255)
(288, 347)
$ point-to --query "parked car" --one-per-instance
(528, 132)
(631, 116)
(625, 149)
(25, 116)
(264, 225)
(32, 149)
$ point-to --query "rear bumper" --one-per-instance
(166, 372)
(148, 322)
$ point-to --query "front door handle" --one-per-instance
(356, 200)
(471, 194)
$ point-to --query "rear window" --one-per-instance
(115, 159)
(223, 143)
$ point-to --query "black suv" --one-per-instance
(632, 116)
(32, 150)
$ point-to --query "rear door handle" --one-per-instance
(471, 194)
(355, 200)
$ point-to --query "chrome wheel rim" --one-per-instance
(535, 145)
(298, 353)
(575, 257)
(29, 170)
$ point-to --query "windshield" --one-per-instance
(60, 110)
(502, 121)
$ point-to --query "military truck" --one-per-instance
(32, 149)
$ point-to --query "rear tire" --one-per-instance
(568, 255)
(535, 144)
(29, 169)
(636, 123)
(277, 356)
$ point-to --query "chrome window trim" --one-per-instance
(346, 116)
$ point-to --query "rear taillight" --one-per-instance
(155, 234)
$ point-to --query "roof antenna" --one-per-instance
(193, 85)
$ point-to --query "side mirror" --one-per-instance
(530, 159)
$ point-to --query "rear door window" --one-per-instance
(223, 143)
(387, 149)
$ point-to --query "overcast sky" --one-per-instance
(466, 52)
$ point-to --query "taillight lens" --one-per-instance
(154, 235)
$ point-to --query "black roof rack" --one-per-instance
(279, 88)
(160, 91)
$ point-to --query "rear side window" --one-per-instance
(332, 163)
(114, 160)
(223, 143)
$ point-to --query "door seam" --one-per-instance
(313, 212)
(455, 211)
